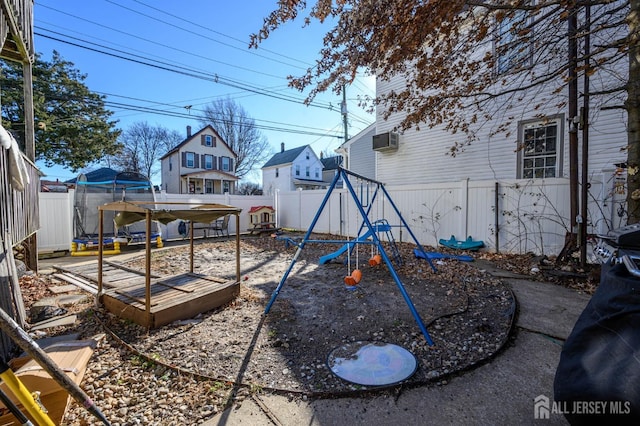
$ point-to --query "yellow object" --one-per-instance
(94, 252)
(25, 398)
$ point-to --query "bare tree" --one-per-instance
(249, 188)
(239, 131)
(471, 62)
(142, 147)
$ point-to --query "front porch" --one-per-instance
(210, 183)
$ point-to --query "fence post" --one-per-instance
(464, 207)
(71, 205)
(276, 206)
(300, 208)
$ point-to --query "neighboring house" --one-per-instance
(53, 186)
(201, 164)
(519, 156)
(297, 168)
(359, 156)
(534, 145)
(330, 169)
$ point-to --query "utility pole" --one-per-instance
(344, 112)
(572, 65)
(584, 122)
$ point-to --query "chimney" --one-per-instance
(188, 131)
(281, 146)
(321, 155)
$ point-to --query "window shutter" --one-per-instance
(219, 163)
(214, 141)
(184, 159)
(196, 161)
(214, 163)
(202, 140)
(231, 166)
(203, 161)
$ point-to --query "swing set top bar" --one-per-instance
(352, 241)
(357, 176)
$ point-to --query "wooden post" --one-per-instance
(100, 252)
(29, 134)
(238, 247)
(191, 247)
(147, 277)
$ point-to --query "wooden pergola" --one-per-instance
(175, 297)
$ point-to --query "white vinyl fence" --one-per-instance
(530, 215)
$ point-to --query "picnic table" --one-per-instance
(260, 227)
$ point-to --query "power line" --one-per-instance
(182, 107)
(214, 31)
(191, 72)
(206, 58)
(167, 23)
(329, 105)
(215, 78)
(150, 110)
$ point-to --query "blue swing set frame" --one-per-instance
(372, 231)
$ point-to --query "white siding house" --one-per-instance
(288, 170)
(201, 164)
(526, 136)
(520, 155)
(358, 153)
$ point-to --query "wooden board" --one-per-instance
(173, 298)
(72, 357)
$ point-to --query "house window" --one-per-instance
(170, 165)
(277, 172)
(208, 162)
(191, 160)
(208, 140)
(307, 155)
(317, 173)
(307, 172)
(297, 169)
(225, 186)
(513, 42)
(208, 186)
(541, 149)
(226, 164)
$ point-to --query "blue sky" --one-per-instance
(205, 38)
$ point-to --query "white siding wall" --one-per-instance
(362, 157)
(423, 156)
(313, 163)
(171, 178)
(271, 183)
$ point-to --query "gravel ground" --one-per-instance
(186, 372)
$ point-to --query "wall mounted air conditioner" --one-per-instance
(386, 142)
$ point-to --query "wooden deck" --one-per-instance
(173, 298)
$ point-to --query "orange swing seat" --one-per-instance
(354, 278)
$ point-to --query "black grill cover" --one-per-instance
(600, 361)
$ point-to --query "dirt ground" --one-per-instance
(467, 313)
(195, 368)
